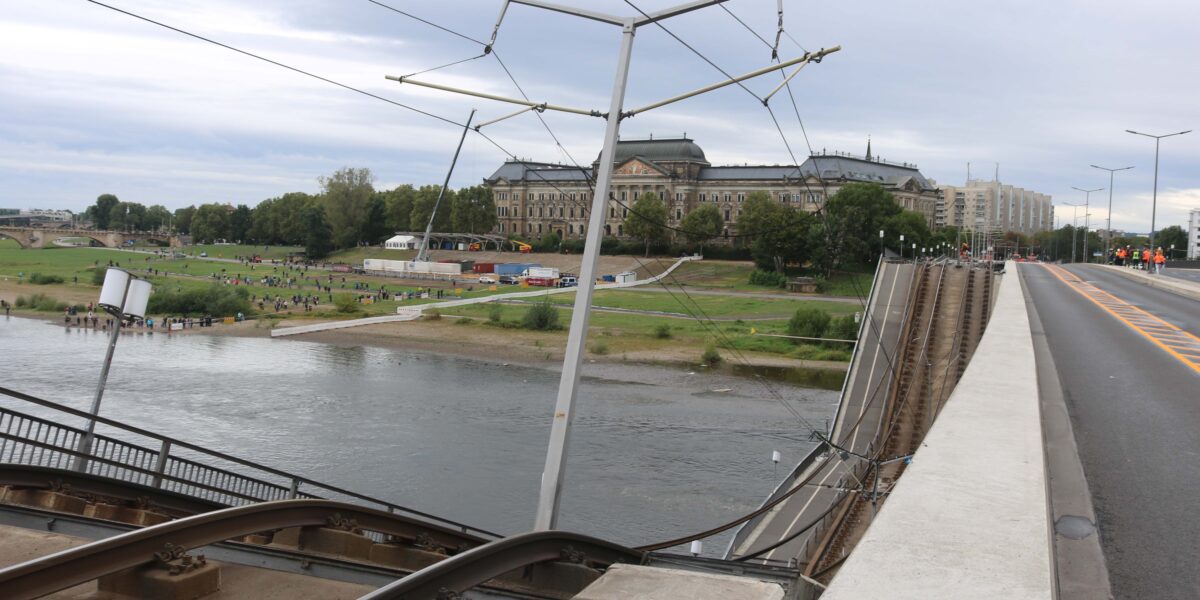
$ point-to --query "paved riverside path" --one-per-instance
(969, 518)
(866, 395)
(409, 313)
(1135, 410)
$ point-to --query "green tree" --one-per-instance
(473, 210)
(210, 223)
(422, 207)
(399, 207)
(183, 219)
(318, 242)
(289, 217)
(647, 219)
(541, 317)
(1171, 235)
(702, 224)
(345, 196)
(100, 211)
(809, 322)
(853, 218)
(908, 223)
(240, 221)
(375, 230)
(157, 218)
(777, 234)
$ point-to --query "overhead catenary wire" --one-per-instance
(425, 113)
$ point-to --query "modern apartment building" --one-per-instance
(534, 198)
(1193, 235)
(994, 206)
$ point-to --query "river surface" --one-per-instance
(650, 459)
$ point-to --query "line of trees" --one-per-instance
(844, 231)
(347, 212)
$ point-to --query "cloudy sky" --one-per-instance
(94, 101)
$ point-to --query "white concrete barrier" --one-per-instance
(968, 519)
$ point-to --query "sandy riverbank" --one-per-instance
(511, 346)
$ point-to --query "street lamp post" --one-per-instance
(902, 246)
(123, 295)
(1074, 226)
(1154, 200)
(1086, 224)
(881, 251)
(1108, 226)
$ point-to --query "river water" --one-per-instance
(655, 452)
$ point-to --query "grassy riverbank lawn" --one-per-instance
(731, 321)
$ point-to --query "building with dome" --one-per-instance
(535, 198)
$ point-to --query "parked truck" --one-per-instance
(541, 272)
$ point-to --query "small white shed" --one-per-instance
(626, 277)
(402, 242)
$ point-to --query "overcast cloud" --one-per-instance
(93, 101)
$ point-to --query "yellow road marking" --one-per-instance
(1175, 341)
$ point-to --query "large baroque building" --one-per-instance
(534, 198)
(993, 206)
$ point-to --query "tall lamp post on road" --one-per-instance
(123, 295)
(1154, 201)
(1074, 226)
(1087, 197)
(1108, 226)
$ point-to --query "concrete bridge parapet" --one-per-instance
(39, 237)
(969, 518)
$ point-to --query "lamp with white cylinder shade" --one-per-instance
(123, 296)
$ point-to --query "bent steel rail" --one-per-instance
(49, 478)
(473, 567)
(62, 570)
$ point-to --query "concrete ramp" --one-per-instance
(404, 314)
(411, 313)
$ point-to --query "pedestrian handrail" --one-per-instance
(131, 454)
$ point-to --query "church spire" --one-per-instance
(868, 147)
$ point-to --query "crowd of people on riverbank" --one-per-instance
(1138, 258)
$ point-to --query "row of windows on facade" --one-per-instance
(784, 197)
(570, 213)
(571, 230)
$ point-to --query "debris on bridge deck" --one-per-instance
(650, 583)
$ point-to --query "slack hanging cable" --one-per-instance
(276, 63)
(694, 51)
(429, 23)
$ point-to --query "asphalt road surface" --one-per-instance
(1132, 389)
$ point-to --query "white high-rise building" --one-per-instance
(993, 206)
(1193, 235)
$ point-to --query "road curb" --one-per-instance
(1080, 569)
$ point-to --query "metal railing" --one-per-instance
(134, 455)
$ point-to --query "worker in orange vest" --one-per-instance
(1159, 261)
(1121, 257)
(1146, 259)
